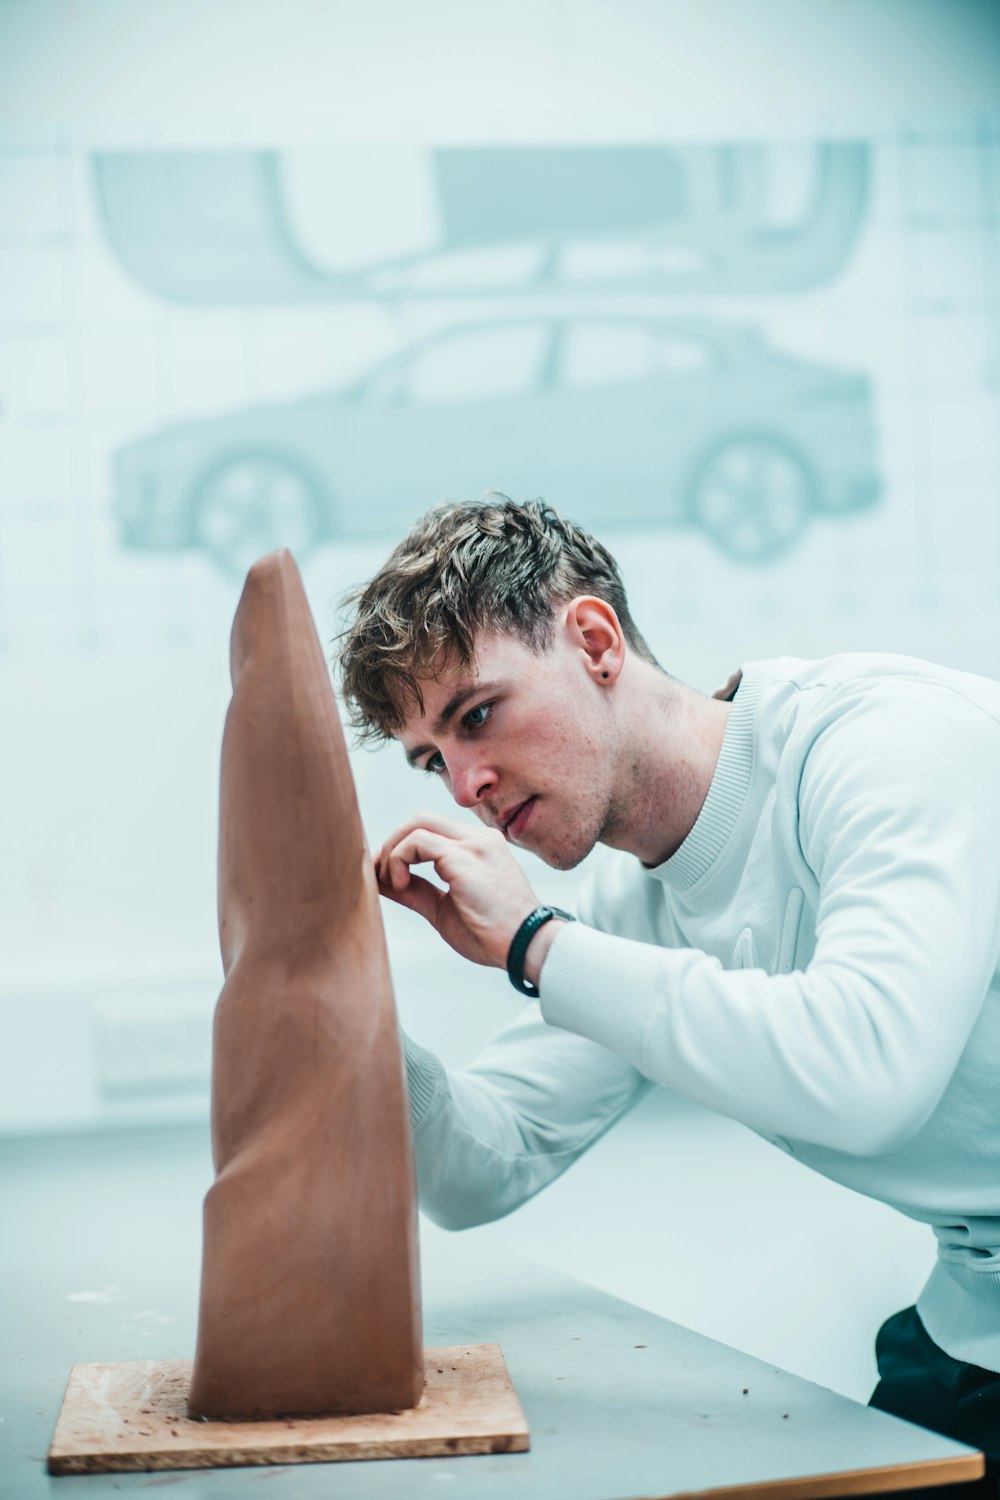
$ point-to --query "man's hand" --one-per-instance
(488, 895)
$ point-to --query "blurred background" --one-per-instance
(722, 282)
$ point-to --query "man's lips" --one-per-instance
(513, 822)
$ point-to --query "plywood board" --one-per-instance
(134, 1416)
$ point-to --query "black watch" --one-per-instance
(519, 945)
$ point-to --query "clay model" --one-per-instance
(310, 1293)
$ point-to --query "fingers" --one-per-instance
(432, 822)
(418, 847)
(420, 895)
(487, 892)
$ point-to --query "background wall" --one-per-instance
(722, 281)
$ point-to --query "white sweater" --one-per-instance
(819, 960)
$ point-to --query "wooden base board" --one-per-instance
(134, 1416)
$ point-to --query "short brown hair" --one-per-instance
(465, 567)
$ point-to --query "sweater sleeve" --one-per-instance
(899, 818)
(488, 1136)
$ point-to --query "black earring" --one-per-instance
(604, 674)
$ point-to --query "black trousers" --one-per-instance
(921, 1383)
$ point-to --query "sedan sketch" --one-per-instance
(617, 421)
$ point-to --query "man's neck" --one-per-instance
(671, 750)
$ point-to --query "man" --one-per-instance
(796, 919)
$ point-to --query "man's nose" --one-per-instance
(470, 785)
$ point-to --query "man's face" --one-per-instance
(526, 741)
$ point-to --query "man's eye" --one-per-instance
(433, 765)
(483, 711)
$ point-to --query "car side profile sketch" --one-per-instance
(617, 421)
(243, 227)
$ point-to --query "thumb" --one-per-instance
(420, 895)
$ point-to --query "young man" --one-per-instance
(796, 919)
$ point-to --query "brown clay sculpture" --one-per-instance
(310, 1293)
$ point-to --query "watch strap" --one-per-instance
(520, 941)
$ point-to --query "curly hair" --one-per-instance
(464, 568)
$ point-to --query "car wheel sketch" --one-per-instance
(225, 227)
(246, 499)
(619, 421)
(754, 494)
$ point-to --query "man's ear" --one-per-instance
(594, 629)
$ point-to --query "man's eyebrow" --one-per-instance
(451, 708)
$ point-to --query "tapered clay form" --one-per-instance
(310, 1294)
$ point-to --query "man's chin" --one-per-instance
(564, 856)
(564, 861)
(555, 847)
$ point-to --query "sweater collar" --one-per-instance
(723, 806)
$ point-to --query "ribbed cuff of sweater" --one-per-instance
(592, 983)
(424, 1075)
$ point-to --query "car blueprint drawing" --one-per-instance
(619, 421)
(220, 227)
